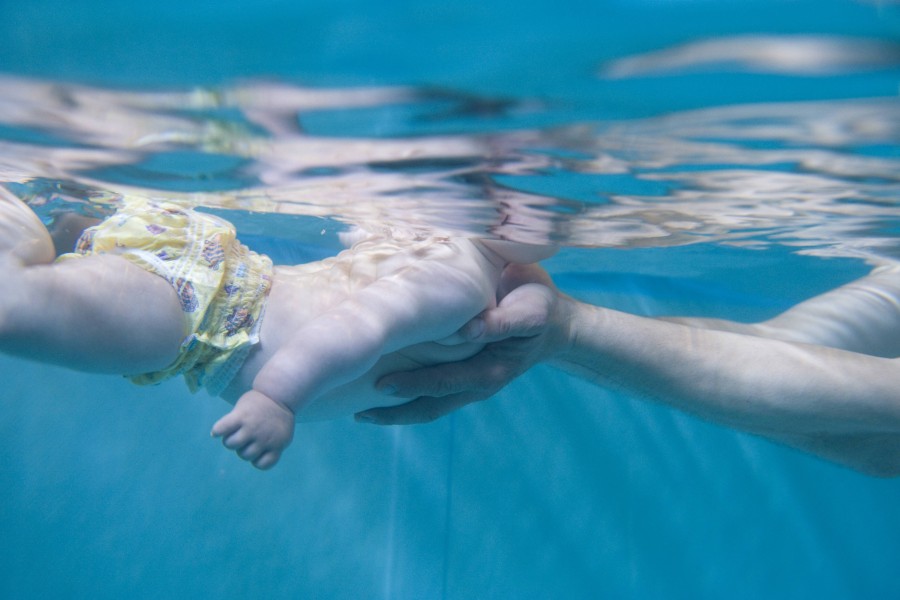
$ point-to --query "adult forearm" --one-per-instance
(765, 379)
(760, 385)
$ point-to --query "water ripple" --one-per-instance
(820, 176)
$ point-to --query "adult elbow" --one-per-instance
(881, 471)
(872, 454)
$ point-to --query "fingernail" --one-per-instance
(389, 389)
(475, 328)
(364, 418)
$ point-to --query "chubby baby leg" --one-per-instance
(258, 429)
(99, 314)
(23, 238)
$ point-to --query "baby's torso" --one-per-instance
(303, 292)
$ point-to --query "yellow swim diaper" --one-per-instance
(221, 284)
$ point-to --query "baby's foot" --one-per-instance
(258, 429)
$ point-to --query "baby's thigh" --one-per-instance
(126, 315)
(118, 288)
(22, 234)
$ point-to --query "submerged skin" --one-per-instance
(822, 377)
(331, 328)
(114, 318)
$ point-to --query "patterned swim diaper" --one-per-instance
(221, 284)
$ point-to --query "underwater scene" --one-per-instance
(693, 159)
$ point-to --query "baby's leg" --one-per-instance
(97, 313)
(397, 311)
(427, 300)
(334, 348)
(23, 238)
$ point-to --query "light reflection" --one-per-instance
(820, 176)
(804, 55)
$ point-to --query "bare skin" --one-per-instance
(106, 299)
(331, 328)
(823, 377)
(375, 309)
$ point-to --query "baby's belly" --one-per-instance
(360, 394)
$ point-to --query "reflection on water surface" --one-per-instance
(822, 176)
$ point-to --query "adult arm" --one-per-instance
(839, 404)
(525, 328)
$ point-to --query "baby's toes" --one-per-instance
(237, 440)
(267, 460)
(226, 426)
(251, 452)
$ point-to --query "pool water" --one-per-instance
(724, 159)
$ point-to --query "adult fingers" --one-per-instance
(420, 410)
(441, 389)
(516, 275)
(524, 312)
(480, 372)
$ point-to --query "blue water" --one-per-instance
(554, 488)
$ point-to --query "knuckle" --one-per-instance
(429, 416)
(425, 410)
(443, 387)
(499, 374)
(438, 384)
(501, 326)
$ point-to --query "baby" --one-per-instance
(157, 290)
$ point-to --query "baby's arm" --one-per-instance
(427, 300)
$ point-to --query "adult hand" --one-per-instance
(519, 333)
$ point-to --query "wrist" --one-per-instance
(586, 335)
(562, 334)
